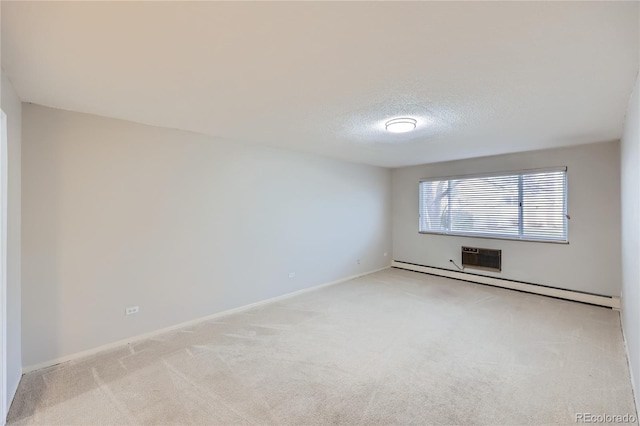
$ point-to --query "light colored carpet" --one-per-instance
(395, 347)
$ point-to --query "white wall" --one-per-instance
(118, 214)
(591, 260)
(11, 105)
(630, 165)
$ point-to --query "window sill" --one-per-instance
(489, 237)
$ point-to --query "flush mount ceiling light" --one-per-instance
(400, 125)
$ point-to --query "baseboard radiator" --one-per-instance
(576, 296)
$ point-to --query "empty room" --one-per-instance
(310, 213)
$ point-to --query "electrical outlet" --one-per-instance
(292, 274)
(385, 254)
(131, 310)
(358, 261)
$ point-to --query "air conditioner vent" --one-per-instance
(480, 258)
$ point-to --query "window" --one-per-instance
(527, 205)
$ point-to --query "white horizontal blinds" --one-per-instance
(487, 206)
(434, 202)
(544, 205)
(526, 205)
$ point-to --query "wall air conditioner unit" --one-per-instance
(479, 258)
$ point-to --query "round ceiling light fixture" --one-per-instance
(400, 125)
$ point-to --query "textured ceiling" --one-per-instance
(481, 78)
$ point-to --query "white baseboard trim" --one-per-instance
(594, 299)
(144, 336)
(11, 392)
(634, 388)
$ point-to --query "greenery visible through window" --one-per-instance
(528, 205)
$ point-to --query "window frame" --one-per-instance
(518, 173)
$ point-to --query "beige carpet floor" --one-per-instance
(395, 347)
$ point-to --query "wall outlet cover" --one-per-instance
(131, 310)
